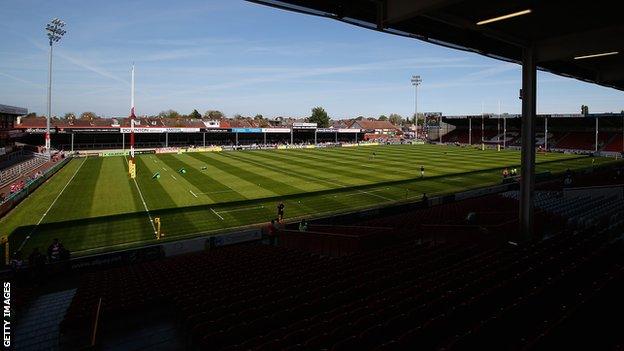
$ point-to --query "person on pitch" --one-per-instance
(280, 212)
(422, 171)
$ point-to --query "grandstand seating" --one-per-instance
(411, 294)
(400, 297)
(582, 140)
(616, 144)
(580, 211)
(12, 158)
(14, 172)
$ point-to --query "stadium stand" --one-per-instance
(582, 140)
(20, 166)
(387, 283)
(616, 144)
(450, 296)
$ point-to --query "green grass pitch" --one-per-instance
(91, 205)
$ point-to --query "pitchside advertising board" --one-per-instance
(304, 125)
(339, 130)
(246, 130)
(56, 130)
(160, 130)
(125, 153)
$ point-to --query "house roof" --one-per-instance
(367, 124)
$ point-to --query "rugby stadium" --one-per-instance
(439, 231)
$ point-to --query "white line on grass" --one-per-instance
(217, 192)
(239, 209)
(172, 176)
(377, 195)
(217, 213)
(50, 207)
(191, 191)
(360, 192)
(145, 205)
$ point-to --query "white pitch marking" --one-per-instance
(145, 206)
(369, 192)
(191, 191)
(52, 204)
(217, 213)
(241, 209)
(377, 195)
(172, 176)
(216, 192)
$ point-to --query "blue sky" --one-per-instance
(243, 58)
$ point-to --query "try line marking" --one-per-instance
(217, 213)
(50, 207)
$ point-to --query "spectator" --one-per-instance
(54, 251)
(425, 200)
(303, 226)
(471, 218)
(17, 263)
(505, 173)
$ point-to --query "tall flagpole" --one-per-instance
(132, 164)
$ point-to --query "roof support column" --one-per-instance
(527, 179)
(596, 140)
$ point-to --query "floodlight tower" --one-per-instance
(416, 80)
(55, 32)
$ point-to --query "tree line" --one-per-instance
(318, 116)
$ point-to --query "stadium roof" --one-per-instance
(12, 110)
(562, 33)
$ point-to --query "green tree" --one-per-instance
(214, 114)
(395, 119)
(320, 117)
(195, 114)
(169, 114)
(70, 116)
(382, 118)
(359, 118)
(88, 116)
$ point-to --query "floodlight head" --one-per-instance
(416, 80)
(55, 31)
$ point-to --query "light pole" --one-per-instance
(55, 32)
(416, 80)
